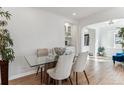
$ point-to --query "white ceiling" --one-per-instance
(117, 23)
(81, 12)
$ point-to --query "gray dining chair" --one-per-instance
(63, 68)
(80, 65)
(40, 53)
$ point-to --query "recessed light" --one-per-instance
(74, 14)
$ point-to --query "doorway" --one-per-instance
(88, 41)
(103, 38)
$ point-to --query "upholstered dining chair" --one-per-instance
(63, 68)
(80, 65)
(40, 53)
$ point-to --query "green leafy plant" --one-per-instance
(6, 43)
(121, 34)
(101, 51)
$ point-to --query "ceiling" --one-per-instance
(81, 12)
(116, 24)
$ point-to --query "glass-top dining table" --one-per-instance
(43, 63)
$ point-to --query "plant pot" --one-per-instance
(4, 72)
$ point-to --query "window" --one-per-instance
(86, 39)
(117, 40)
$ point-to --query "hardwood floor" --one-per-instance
(99, 72)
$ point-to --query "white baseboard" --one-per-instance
(22, 74)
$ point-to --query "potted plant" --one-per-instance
(6, 43)
(121, 34)
(101, 51)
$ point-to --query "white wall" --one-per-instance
(75, 37)
(33, 28)
(92, 47)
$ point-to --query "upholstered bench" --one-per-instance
(119, 57)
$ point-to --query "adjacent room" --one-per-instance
(61, 46)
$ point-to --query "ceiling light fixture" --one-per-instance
(111, 22)
(74, 14)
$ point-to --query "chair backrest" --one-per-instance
(80, 64)
(64, 66)
(42, 52)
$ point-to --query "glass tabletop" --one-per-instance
(36, 61)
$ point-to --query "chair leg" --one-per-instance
(114, 62)
(37, 70)
(45, 73)
(86, 77)
(57, 82)
(48, 81)
(70, 81)
(41, 76)
(54, 82)
(76, 78)
(60, 82)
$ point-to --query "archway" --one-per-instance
(103, 35)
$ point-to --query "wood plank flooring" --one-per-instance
(99, 72)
